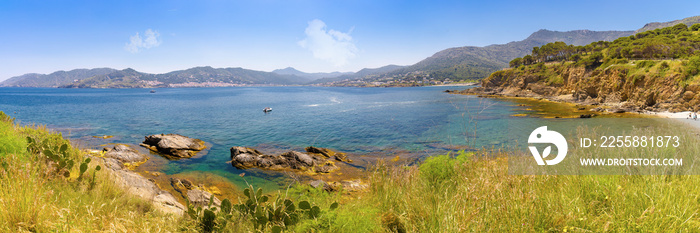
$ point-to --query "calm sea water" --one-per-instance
(422, 120)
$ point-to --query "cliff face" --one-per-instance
(634, 86)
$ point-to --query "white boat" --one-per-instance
(268, 109)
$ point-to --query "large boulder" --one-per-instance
(298, 160)
(244, 158)
(140, 186)
(124, 154)
(174, 146)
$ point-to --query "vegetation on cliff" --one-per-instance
(652, 70)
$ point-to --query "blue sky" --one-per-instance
(312, 36)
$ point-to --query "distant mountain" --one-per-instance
(308, 76)
(54, 79)
(366, 72)
(656, 25)
(127, 78)
(453, 64)
(227, 75)
(193, 77)
(471, 62)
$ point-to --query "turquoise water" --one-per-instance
(422, 121)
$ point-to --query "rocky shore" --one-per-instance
(613, 89)
(123, 162)
(316, 160)
(114, 161)
(588, 108)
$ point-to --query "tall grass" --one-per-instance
(480, 196)
(33, 199)
(474, 191)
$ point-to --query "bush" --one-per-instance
(439, 169)
(692, 68)
(645, 63)
(10, 142)
(695, 27)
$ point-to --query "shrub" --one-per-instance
(692, 68)
(439, 169)
(10, 143)
(695, 27)
(645, 63)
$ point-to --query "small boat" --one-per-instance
(153, 91)
(266, 110)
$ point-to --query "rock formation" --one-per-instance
(136, 184)
(317, 161)
(124, 154)
(620, 88)
(173, 146)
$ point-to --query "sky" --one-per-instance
(311, 36)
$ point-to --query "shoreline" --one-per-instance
(605, 109)
(681, 117)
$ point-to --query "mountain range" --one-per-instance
(470, 62)
(452, 64)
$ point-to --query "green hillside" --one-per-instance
(690, 21)
(54, 79)
(654, 70)
(473, 63)
(193, 77)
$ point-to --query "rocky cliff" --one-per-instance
(630, 86)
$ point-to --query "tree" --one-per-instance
(516, 62)
(528, 60)
(695, 27)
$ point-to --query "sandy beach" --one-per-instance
(681, 117)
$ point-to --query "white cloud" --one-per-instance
(329, 45)
(136, 43)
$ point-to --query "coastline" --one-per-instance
(456, 85)
(681, 117)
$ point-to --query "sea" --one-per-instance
(415, 122)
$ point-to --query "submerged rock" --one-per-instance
(327, 153)
(173, 145)
(181, 185)
(244, 158)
